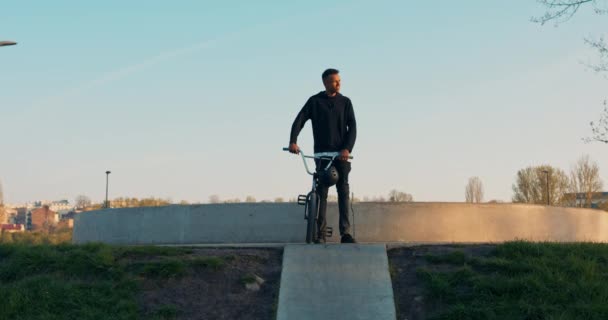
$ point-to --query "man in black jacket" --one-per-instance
(334, 129)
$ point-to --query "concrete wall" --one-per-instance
(372, 222)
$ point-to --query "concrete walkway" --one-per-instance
(335, 281)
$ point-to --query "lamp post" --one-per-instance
(546, 172)
(107, 204)
(7, 43)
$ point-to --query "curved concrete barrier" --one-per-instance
(372, 222)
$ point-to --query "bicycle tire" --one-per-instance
(311, 225)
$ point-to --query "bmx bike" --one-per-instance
(311, 200)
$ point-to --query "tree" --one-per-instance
(127, 202)
(560, 11)
(531, 185)
(599, 129)
(214, 198)
(379, 199)
(398, 196)
(250, 199)
(82, 202)
(495, 201)
(473, 192)
(3, 216)
(584, 179)
(279, 200)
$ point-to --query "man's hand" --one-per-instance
(344, 154)
(293, 148)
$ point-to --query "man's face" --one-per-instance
(332, 83)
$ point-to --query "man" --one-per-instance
(334, 129)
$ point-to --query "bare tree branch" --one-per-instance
(602, 48)
(473, 192)
(585, 179)
(561, 10)
(82, 202)
(599, 129)
(2, 211)
(398, 196)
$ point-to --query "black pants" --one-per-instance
(343, 188)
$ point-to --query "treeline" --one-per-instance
(393, 196)
(549, 185)
(134, 202)
(84, 203)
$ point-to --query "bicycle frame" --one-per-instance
(312, 197)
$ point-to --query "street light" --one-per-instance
(107, 204)
(546, 172)
(7, 43)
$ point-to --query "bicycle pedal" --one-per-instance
(302, 199)
(329, 231)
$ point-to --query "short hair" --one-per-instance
(328, 73)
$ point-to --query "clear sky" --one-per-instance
(184, 99)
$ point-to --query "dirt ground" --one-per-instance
(407, 288)
(217, 294)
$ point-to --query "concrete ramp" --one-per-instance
(376, 222)
(335, 281)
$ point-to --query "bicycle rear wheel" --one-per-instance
(311, 225)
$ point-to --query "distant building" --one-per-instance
(43, 218)
(65, 224)
(10, 213)
(12, 227)
(598, 199)
(67, 220)
(60, 206)
(20, 217)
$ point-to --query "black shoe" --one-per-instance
(319, 240)
(347, 238)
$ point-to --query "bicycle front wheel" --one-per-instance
(313, 210)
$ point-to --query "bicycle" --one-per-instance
(311, 200)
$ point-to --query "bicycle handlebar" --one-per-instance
(319, 155)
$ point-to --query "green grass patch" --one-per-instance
(247, 279)
(150, 251)
(165, 312)
(520, 280)
(162, 269)
(214, 263)
(91, 281)
(455, 257)
(63, 236)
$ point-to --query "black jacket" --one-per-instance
(333, 122)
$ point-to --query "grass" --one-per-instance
(214, 263)
(91, 281)
(165, 312)
(57, 237)
(247, 279)
(454, 257)
(520, 280)
(162, 269)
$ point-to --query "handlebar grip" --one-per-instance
(285, 149)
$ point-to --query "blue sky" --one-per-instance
(186, 99)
